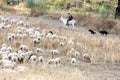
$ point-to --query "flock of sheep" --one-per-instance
(12, 56)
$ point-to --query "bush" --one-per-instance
(104, 12)
(0, 3)
(74, 9)
(37, 6)
(87, 1)
(95, 6)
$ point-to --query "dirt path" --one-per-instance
(92, 71)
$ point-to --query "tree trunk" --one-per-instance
(118, 2)
(117, 13)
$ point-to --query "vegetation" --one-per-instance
(103, 11)
(0, 3)
(104, 7)
(37, 6)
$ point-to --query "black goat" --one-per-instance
(91, 31)
(103, 33)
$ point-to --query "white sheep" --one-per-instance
(21, 68)
(9, 49)
(4, 56)
(24, 48)
(73, 62)
(40, 59)
(19, 31)
(8, 27)
(10, 39)
(14, 58)
(36, 41)
(39, 50)
(13, 21)
(71, 41)
(21, 58)
(33, 58)
(6, 64)
(4, 49)
(50, 34)
(19, 51)
(63, 38)
(62, 44)
(71, 53)
(8, 70)
(54, 53)
(44, 32)
(51, 61)
(19, 36)
(4, 45)
(20, 23)
(25, 36)
(55, 61)
(77, 55)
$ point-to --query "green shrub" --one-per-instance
(94, 6)
(37, 6)
(74, 9)
(0, 3)
(30, 3)
(103, 11)
(87, 1)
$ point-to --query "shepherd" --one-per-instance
(69, 22)
(69, 18)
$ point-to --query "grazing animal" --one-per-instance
(72, 22)
(24, 48)
(32, 58)
(73, 62)
(91, 31)
(20, 59)
(40, 59)
(55, 61)
(86, 58)
(39, 50)
(36, 41)
(21, 68)
(103, 33)
(77, 55)
(6, 64)
(71, 53)
(54, 53)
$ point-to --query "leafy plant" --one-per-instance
(37, 6)
(103, 11)
(0, 3)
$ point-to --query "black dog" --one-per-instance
(103, 33)
(91, 31)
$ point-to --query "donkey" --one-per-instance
(72, 22)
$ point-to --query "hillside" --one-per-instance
(36, 45)
(100, 68)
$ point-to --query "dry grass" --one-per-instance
(91, 21)
(100, 48)
(43, 73)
